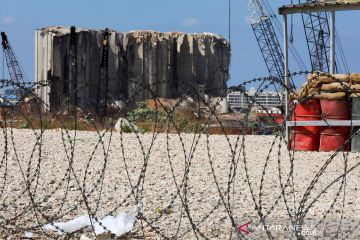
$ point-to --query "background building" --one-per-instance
(240, 99)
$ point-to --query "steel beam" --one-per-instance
(332, 42)
(322, 123)
(318, 7)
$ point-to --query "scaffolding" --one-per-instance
(332, 8)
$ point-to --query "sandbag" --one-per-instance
(330, 96)
(355, 78)
(313, 79)
(329, 86)
(293, 95)
(306, 92)
(335, 87)
(355, 95)
(328, 78)
(342, 77)
(315, 75)
(355, 87)
(309, 84)
(334, 79)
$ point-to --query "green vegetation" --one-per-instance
(166, 211)
(24, 125)
(48, 123)
(143, 113)
(147, 119)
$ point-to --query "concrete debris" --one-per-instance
(85, 237)
(206, 98)
(126, 126)
(222, 105)
(141, 65)
(104, 236)
(186, 102)
(27, 99)
(119, 104)
(71, 111)
(161, 103)
(190, 100)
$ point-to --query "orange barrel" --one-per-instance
(335, 109)
(308, 110)
(304, 140)
(333, 138)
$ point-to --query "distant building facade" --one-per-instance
(252, 98)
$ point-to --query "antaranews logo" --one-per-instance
(303, 230)
(244, 228)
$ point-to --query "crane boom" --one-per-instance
(13, 65)
(266, 37)
(317, 32)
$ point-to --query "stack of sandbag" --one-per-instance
(339, 1)
(348, 1)
(330, 86)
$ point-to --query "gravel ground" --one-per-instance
(181, 183)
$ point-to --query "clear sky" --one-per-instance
(19, 19)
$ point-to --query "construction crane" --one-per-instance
(265, 25)
(266, 37)
(16, 76)
(317, 32)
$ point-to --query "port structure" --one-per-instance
(331, 8)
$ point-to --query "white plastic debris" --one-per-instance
(123, 223)
(28, 234)
(70, 226)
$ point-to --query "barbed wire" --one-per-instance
(184, 181)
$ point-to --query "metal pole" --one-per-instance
(332, 42)
(286, 72)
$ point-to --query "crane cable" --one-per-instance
(292, 26)
(342, 54)
(25, 78)
(278, 26)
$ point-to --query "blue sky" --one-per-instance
(19, 19)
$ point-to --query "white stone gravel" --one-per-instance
(58, 196)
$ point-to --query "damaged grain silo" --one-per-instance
(77, 69)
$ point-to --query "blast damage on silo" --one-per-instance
(139, 65)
